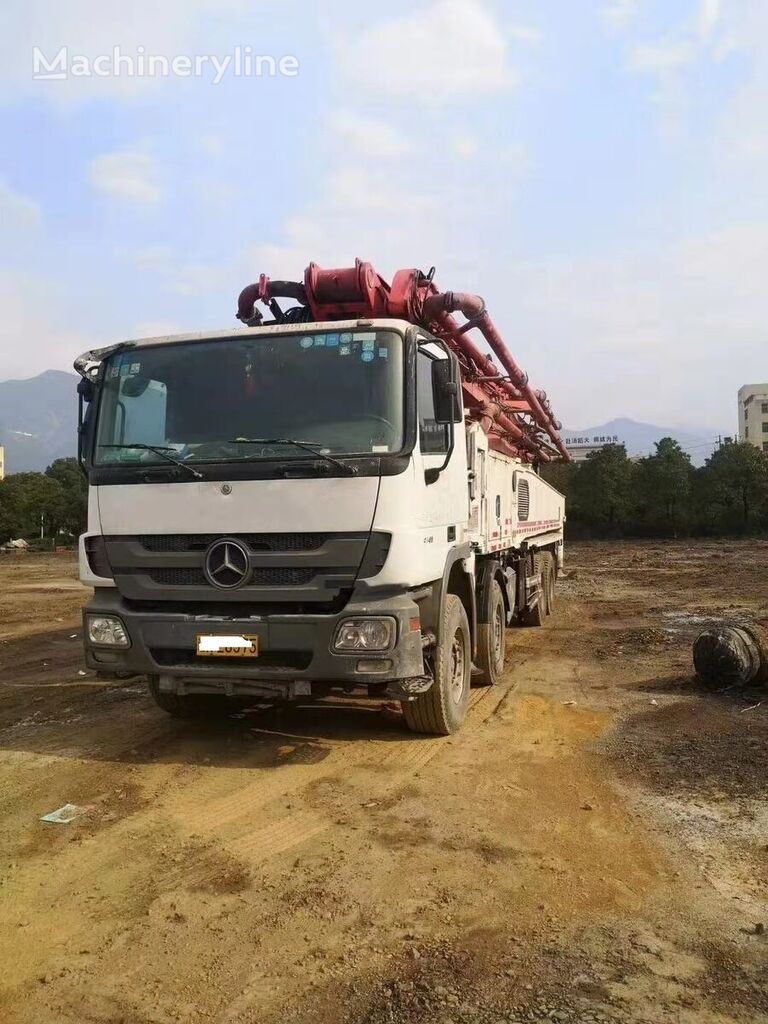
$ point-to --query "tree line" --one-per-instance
(608, 495)
(53, 503)
(663, 495)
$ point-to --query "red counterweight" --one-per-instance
(518, 419)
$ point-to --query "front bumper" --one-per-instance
(294, 650)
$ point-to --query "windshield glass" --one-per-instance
(202, 401)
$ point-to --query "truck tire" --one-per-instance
(194, 705)
(550, 575)
(490, 638)
(441, 710)
(535, 616)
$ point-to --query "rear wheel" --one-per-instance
(193, 705)
(550, 575)
(490, 638)
(441, 710)
(535, 616)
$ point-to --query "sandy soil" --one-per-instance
(38, 593)
(592, 847)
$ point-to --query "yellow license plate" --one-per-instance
(217, 645)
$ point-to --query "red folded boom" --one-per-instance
(518, 419)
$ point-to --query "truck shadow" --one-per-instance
(120, 723)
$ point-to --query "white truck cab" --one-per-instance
(290, 511)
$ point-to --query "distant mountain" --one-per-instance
(639, 438)
(38, 420)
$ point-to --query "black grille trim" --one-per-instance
(277, 577)
(237, 611)
(274, 660)
(96, 553)
(178, 542)
(178, 577)
(284, 568)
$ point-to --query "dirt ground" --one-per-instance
(592, 847)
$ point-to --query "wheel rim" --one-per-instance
(498, 636)
(456, 667)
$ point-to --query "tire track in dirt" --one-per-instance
(242, 820)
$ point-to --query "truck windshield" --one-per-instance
(201, 401)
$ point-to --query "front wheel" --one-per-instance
(442, 709)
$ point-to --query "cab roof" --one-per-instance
(381, 323)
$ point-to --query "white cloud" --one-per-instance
(711, 31)
(129, 175)
(670, 331)
(367, 135)
(411, 209)
(450, 48)
(155, 329)
(200, 278)
(94, 27)
(714, 32)
(33, 331)
(403, 213)
(621, 13)
(210, 144)
(662, 56)
(710, 12)
(379, 214)
(373, 191)
(527, 34)
(18, 213)
(178, 276)
(219, 194)
(741, 137)
(359, 214)
(153, 257)
(464, 147)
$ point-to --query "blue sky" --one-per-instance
(596, 170)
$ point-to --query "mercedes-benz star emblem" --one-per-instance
(226, 564)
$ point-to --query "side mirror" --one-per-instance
(446, 391)
(86, 389)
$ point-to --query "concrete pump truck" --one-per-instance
(341, 499)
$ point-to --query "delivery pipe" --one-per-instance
(473, 308)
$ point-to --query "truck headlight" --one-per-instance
(365, 634)
(107, 631)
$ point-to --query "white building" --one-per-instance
(753, 415)
(2, 462)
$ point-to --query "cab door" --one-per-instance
(477, 477)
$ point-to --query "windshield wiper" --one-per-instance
(305, 445)
(162, 452)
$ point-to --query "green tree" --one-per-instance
(561, 475)
(74, 506)
(602, 489)
(53, 501)
(10, 520)
(734, 487)
(664, 483)
(35, 501)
